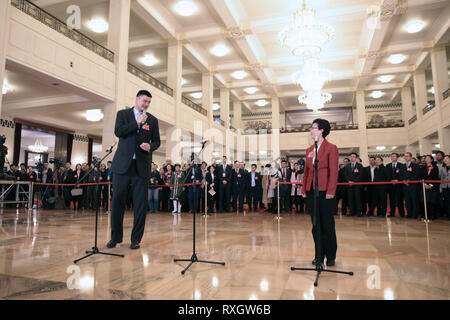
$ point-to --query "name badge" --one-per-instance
(239, 175)
(356, 171)
(398, 170)
(409, 169)
(224, 175)
(311, 154)
(146, 127)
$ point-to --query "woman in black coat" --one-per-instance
(430, 172)
(211, 179)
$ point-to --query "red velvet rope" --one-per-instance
(376, 183)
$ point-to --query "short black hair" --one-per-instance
(144, 93)
(380, 158)
(395, 154)
(372, 157)
(441, 153)
(224, 157)
(254, 165)
(204, 162)
(354, 153)
(323, 125)
(236, 161)
(347, 159)
(410, 154)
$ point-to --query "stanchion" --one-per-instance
(30, 196)
(425, 202)
(278, 201)
(109, 196)
(206, 200)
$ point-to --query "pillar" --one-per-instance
(362, 126)
(420, 92)
(174, 75)
(208, 95)
(5, 7)
(225, 106)
(237, 115)
(275, 128)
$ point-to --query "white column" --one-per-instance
(440, 82)
(420, 92)
(174, 74)
(225, 106)
(173, 145)
(5, 7)
(208, 94)
(118, 37)
(275, 128)
(237, 115)
(362, 126)
(407, 110)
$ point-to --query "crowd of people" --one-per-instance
(231, 187)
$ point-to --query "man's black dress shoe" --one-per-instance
(135, 246)
(111, 244)
(330, 263)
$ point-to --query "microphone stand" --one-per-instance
(194, 258)
(317, 224)
(95, 248)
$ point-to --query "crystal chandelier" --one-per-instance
(315, 100)
(38, 147)
(305, 36)
(311, 76)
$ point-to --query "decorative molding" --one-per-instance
(236, 33)
(391, 8)
(80, 138)
(412, 120)
(259, 114)
(46, 18)
(388, 124)
(385, 106)
(7, 123)
(256, 67)
(149, 79)
(385, 155)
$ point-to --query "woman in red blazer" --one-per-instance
(328, 167)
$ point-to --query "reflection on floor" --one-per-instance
(392, 258)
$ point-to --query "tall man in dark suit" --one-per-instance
(138, 133)
(354, 173)
(224, 173)
(194, 192)
(254, 185)
(238, 180)
(393, 170)
(410, 172)
(380, 175)
(370, 177)
(285, 189)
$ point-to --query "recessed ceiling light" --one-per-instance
(183, 81)
(377, 94)
(381, 148)
(98, 25)
(185, 8)
(220, 50)
(94, 115)
(437, 145)
(261, 103)
(6, 87)
(385, 79)
(431, 90)
(215, 107)
(239, 74)
(414, 26)
(396, 58)
(251, 90)
(197, 95)
(149, 60)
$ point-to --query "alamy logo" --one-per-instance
(74, 20)
(73, 281)
(374, 280)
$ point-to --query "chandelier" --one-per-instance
(38, 147)
(315, 100)
(311, 76)
(305, 36)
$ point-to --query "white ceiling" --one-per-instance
(154, 23)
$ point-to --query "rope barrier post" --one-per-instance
(2, 198)
(30, 195)
(206, 200)
(278, 200)
(425, 202)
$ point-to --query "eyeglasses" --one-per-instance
(314, 128)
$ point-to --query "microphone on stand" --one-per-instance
(111, 147)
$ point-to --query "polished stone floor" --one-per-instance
(392, 258)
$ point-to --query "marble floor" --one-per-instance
(392, 258)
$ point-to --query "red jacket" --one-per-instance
(328, 168)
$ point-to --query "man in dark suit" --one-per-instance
(238, 180)
(370, 177)
(410, 172)
(380, 175)
(194, 192)
(354, 173)
(254, 185)
(393, 170)
(138, 133)
(224, 173)
(285, 189)
(341, 192)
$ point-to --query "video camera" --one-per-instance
(57, 162)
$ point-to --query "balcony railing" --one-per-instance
(446, 94)
(387, 124)
(194, 106)
(413, 119)
(59, 26)
(149, 79)
(428, 107)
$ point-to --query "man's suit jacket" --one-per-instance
(328, 168)
(238, 179)
(257, 180)
(355, 175)
(380, 174)
(228, 173)
(411, 173)
(130, 137)
(198, 176)
(394, 174)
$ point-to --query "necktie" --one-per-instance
(353, 166)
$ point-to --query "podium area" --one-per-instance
(392, 258)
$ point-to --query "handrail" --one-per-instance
(149, 79)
